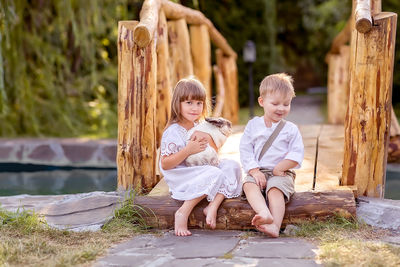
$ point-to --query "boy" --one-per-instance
(271, 172)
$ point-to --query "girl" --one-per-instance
(192, 184)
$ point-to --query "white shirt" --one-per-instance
(287, 145)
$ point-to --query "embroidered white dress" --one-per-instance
(186, 183)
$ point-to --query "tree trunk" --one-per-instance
(136, 155)
(338, 85)
(201, 55)
(164, 87)
(236, 214)
(180, 58)
(227, 66)
(368, 119)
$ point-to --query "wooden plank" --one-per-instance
(235, 213)
(305, 175)
(330, 157)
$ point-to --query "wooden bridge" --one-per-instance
(343, 159)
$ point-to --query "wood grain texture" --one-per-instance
(236, 214)
(368, 120)
(136, 154)
(180, 58)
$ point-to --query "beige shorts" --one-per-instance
(284, 183)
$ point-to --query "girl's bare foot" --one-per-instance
(181, 224)
(263, 217)
(211, 217)
(270, 230)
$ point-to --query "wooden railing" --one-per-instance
(359, 93)
(153, 55)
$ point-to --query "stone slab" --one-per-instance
(81, 152)
(382, 213)
(261, 247)
(210, 248)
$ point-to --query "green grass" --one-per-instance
(346, 242)
(26, 239)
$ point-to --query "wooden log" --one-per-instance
(362, 16)
(368, 119)
(180, 58)
(176, 11)
(236, 214)
(338, 85)
(164, 87)
(220, 92)
(376, 7)
(136, 155)
(228, 67)
(201, 55)
(144, 31)
(149, 16)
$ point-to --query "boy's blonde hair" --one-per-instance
(277, 83)
(186, 89)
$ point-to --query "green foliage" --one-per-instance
(128, 215)
(290, 36)
(59, 60)
(24, 221)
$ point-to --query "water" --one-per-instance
(48, 180)
(392, 187)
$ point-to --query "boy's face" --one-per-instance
(276, 106)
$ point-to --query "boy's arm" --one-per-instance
(283, 166)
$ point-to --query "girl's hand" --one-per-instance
(203, 135)
(196, 145)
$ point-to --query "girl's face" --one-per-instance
(276, 106)
(191, 110)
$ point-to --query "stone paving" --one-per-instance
(211, 248)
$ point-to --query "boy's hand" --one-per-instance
(259, 177)
(277, 172)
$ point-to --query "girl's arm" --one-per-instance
(173, 160)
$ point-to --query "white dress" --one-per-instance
(186, 183)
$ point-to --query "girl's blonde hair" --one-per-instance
(186, 89)
(279, 82)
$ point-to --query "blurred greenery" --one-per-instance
(58, 59)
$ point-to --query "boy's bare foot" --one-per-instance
(211, 217)
(263, 217)
(270, 230)
(181, 224)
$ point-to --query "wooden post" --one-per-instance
(136, 155)
(338, 85)
(201, 55)
(180, 63)
(368, 119)
(219, 80)
(164, 87)
(227, 65)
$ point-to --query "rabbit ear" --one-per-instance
(218, 122)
